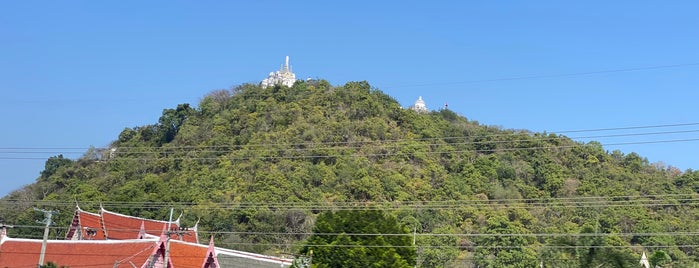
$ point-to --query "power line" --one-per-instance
(534, 245)
(471, 235)
(515, 133)
(514, 78)
(467, 235)
(670, 200)
(381, 144)
(362, 154)
(629, 128)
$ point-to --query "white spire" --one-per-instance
(420, 106)
(644, 261)
(282, 77)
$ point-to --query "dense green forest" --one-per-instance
(258, 168)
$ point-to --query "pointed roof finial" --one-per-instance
(142, 232)
(644, 261)
(211, 259)
(177, 221)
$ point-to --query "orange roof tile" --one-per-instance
(187, 255)
(86, 253)
(120, 226)
(86, 221)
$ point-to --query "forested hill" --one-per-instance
(256, 166)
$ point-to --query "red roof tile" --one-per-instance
(97, 253)
(187, 254)
(120, 226)
(121, 247)
(86, 221)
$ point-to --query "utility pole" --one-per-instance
(47, 220)
(414, 240)
(167, 244)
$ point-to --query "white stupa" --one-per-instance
(420, 106)
(282, 77)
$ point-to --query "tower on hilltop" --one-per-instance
(282, 77)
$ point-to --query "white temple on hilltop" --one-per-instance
(282, 77)
(420, 106)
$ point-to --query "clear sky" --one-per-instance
(73, 74)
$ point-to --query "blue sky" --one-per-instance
(73, 74)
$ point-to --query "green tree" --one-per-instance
(439, 250)
(171, 121)
(53, 164)
(504, 245)
(591, 249)
(660, 258)
(362, 238)
(318, 144)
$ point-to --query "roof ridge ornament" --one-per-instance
(211, 260)
(177, 221)
(142, 232)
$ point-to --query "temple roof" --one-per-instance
(112, 225)
(185, 254)
(120, 226)
(19, 252)
(118, 240)
(16, 252)
(86, 222)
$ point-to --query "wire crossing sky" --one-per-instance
(75, 74)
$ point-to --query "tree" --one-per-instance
(591, 249)
(439, 250)
(502, 249)
(338, 241)
(660, 258)
(171, 120)
(53, 164)
(316, 143)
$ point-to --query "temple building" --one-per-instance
(110, 239)
(420, 106)
(108, 225)
(282, 77)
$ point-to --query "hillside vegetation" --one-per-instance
(257, 166)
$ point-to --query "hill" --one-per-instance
(256, 166)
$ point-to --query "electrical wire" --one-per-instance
(140, 158)
(565, 202)
(514, 78)
(486, 136)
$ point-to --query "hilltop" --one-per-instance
(257, 165)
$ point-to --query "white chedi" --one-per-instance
(420, 106)
(282, 77)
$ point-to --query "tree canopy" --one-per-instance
(262, 168)
(356, 239)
